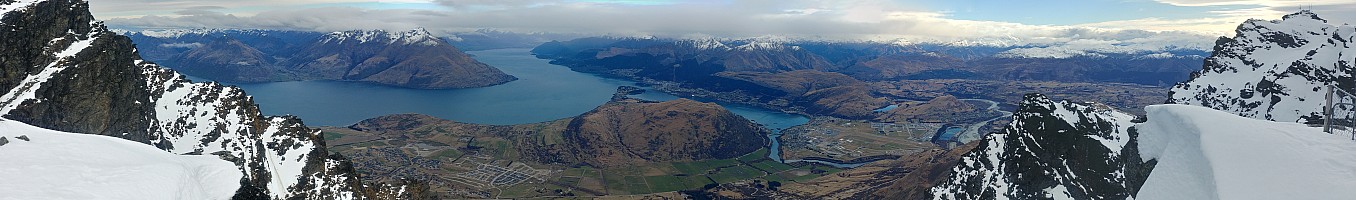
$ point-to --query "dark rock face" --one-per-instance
(1274, 70)
(1052, 150)
(64, 71)
(625, 132)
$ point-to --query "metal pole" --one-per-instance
(1327, 112)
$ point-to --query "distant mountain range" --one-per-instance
(815, 76)
(873, 61)
(413, 59)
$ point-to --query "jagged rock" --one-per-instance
(22, 137)
(3, 141)
(1274, 70)
(1052, 150)
(65, 71)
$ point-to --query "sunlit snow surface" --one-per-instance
(59, 165)
(1209, 154)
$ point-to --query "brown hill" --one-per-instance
(630, 131)
(823, 93)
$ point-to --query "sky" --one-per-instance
(1162, 22)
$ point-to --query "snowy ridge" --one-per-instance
(179, 33)
(1030, 158)
(705, 44)
(278, 156)
(175, 33)
(1209, 154)
(208, 118)
(411, 37)
(87, 166)
(1274, 70)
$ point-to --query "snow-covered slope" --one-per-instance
(62, 70)
(1208, 154)
(57, 165)
(1060, 150)
(1274, 70)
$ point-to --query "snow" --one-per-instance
(1299, 71)
(412, 37)
(16, 6)
(59, 165)
(174, 33)
(1208, 154)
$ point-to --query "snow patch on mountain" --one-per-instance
(58, 165)
(16, 6)
(1208, 154)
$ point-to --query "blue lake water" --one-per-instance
(543, 92)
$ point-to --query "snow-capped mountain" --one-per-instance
(411, 37)
(1274, 70)
(64, 71)
(414, 59)
(37, 160)
(1060, 150)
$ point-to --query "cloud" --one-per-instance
(1335, 11)
(876, 20)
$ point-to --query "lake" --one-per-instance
(543, 92)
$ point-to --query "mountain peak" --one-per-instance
(1273, 70)
(1304, 14)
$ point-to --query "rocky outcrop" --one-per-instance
(1060, 150)
(1274, 70)
(64, 71)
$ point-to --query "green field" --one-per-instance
(332, 135)
(696, 174)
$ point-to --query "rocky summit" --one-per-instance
(1060, 150)
(1274, 70)
(63, 70)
